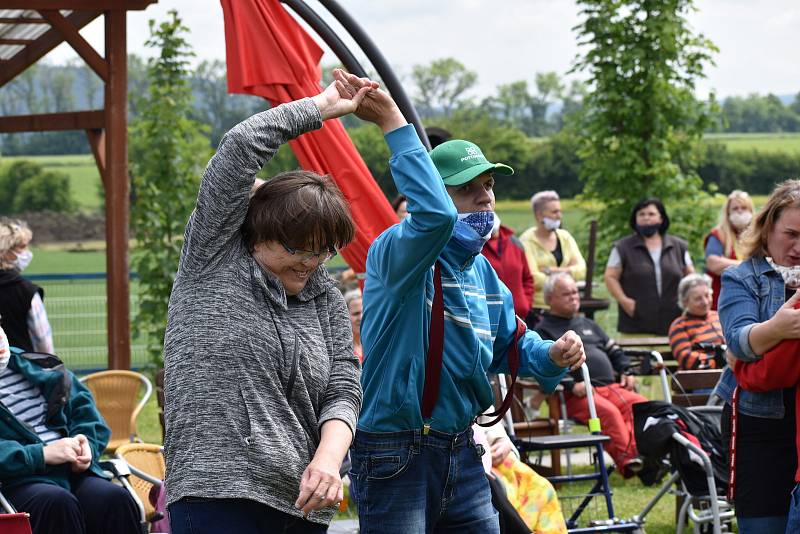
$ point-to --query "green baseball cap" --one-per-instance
(460, 161)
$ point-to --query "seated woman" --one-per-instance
(51, 436)
(549, 248)
(531, 495)
(695, 336)
(722, 247)
(644, 269)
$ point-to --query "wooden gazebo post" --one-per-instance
(116, 119)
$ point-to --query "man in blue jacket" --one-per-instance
(51, 436)
(436, 320)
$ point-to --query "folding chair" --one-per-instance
(146, 463)
(116, 394)
(11, 521)
(595, 441)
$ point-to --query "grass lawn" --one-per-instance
(763, 142)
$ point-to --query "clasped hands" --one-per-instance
(74, 451)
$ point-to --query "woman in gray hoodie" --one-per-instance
(262, 385)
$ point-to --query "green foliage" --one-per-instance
(641, 124)
(27, 186)
(754, 171)
(441, 86)
(167, 154)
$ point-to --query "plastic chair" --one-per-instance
(116, 394)
(146, 462)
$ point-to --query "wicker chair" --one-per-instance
(116, 394)
(146, 462)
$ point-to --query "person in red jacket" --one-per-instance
(507, 256)
(778, 369)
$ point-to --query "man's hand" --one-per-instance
(62, 451)
(84, 458)
(338, 100)
(628, 382)
(377, 105)
(579, 389)
(320, 485)
(500, 448)
(567, 351)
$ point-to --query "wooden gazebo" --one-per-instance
(29, 29)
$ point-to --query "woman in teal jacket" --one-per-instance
(51, 436)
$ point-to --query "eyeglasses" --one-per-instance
(306, 255)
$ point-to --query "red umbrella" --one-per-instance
(270, 55)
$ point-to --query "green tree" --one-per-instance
(167, 154)
(27, 186)
(641, 122)
(442, 86)
(47, 191)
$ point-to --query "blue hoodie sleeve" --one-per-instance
(404, 252)
(534, 353)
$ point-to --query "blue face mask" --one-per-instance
(472, 230)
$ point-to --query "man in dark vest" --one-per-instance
(22, 313)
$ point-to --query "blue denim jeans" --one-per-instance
(793, 525)
(212, 516)
(412, 483)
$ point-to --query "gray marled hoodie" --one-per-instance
(251, 374)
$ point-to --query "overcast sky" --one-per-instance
(508, 40)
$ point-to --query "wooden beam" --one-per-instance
(23, 42)
(21, 20)
(49, 122)
(77, 42)
(79, 5)
(41, 46)
(97, 141)
(116, 164)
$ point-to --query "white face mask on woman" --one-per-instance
(790, 275)
(740, 219)
(551, 224)
(23, 259)
(5, 353)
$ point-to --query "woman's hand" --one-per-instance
(84, 458)
(628, 306)
(567, 351)
(500, 448)
(786, 321)
(338, 100)
(321, 485)
(62, 451)
(377, 106)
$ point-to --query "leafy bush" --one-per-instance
(26, 186)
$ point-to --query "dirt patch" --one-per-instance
(51, 227)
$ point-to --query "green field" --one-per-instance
(763, 142)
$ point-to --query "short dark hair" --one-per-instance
(652, 201)
(300, 209)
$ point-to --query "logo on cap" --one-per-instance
(472, 151)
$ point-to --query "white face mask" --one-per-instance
(551, 224)
(740, 219)
(790, 275)
(5, 354)
(23, 259)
